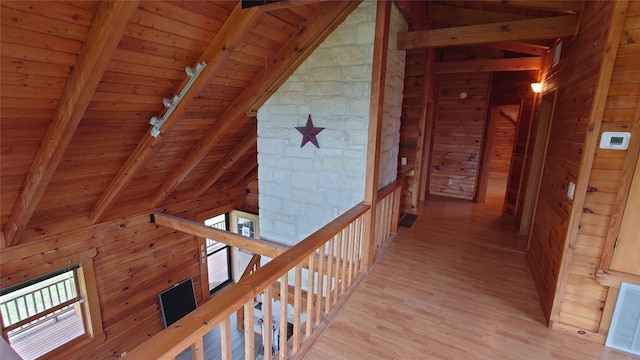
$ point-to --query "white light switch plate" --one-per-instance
(571, 189)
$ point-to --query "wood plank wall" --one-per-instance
(514, 88)
(575, 79)
(412, 105)
(584, 298)
(505, 133)
(459, 129)
(135, 261)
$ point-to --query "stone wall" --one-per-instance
(390, 132)
(302, 189)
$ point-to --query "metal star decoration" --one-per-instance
(309, 133)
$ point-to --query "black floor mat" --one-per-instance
(407, 220)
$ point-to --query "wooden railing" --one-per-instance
(312, 276)
(35, 307)
(387, 215)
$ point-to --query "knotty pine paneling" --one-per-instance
(584, 299)
(505, 132)
(575, 79)
(458, 133)
(135, 261)
(40, 45)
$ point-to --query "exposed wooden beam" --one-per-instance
(467, 16)
(544, 28)
(309, 36)
(489, 65)
(256, 246)
(239, 22)
(562, 6)
(248, 142)
(246, 174)
(521, 47)
(103, 37)
(283, 4)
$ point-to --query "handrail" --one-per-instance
(332, 256)
(40, 309)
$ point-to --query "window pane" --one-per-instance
(218, 267)
(43, 316)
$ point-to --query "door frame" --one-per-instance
(534, 180)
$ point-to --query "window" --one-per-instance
(44, 313)
(557, 51)
(218, 256)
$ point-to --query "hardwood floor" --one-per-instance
(455, 285)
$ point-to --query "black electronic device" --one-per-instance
(177, 301)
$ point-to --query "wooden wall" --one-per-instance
(505, 133)
(458, 133)
(583, 299)
(576, 80)
(135, 261)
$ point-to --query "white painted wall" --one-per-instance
(302, 189)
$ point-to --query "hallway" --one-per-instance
(456, 285)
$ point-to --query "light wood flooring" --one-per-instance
(456, 285)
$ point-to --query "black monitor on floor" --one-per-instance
(177, 301)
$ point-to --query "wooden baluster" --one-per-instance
(330, 251)
(357, 246)
(225, 339)
(345, 258)
(352, 250)
(338, 257)
(197, 349)
(297, 307)
(284, 290)
(320, 291)
(249, 332)
(267, 326)
(310, 293)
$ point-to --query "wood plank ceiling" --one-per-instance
(81, 79)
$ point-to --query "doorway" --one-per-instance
(497, 154)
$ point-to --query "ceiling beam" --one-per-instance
(543, 28)
(248, 142)
(284, 4)
(256, 246)
(488, 65)
(561, 6)
(467, 16)
(103, 37)
(239, 22)
(521, 47)
(245, 175)
(309, 36)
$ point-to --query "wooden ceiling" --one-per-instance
(80, 81)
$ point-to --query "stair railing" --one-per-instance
(299, 289)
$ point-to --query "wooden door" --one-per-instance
(626, 256)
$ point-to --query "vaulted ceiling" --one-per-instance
(80, 81)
